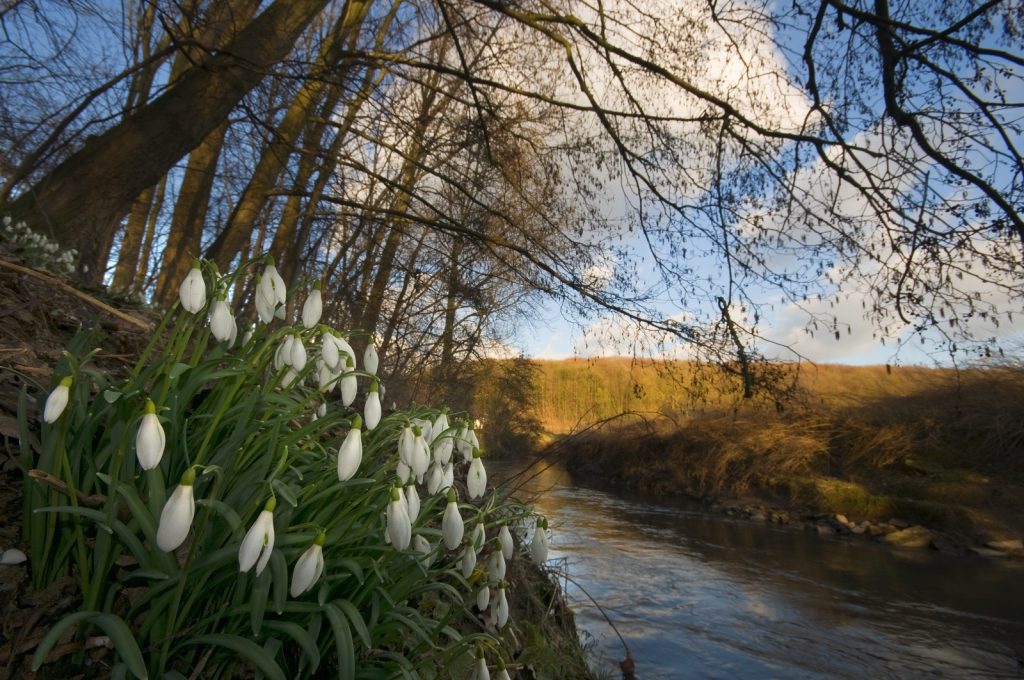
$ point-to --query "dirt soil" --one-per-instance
(39, 314)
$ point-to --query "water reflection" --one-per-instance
(702, 595)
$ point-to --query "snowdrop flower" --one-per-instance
(193, 290)
(539, 547)
(481, 672)
(399, 527)
(313, 307)
(309, 566)
(150, 439)
(404, 472)
(283, 353)
(435, 478)
(58, 400)
(348, 383)
(422, 546)
(479, 536)
(425, 428)
(462, 444)
(264, 305)
(476, 478)
(467, 560)
(370, 359)
(222, 322)
(502, 671)
(505, 541)
(448, 476)
(421, 454)
(176, 517)
(412, 502)
(452, 526)
(273, 285)
(371, 410)
(329, 350)
(259, 540)
(483, 598)
(496, 567)
(406, 445)
(440, 424)
(350, 455)
(442, 450)
(297, 354)
(500, 606)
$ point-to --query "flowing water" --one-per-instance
(701, 595)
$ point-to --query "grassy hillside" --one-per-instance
(575, 393)
(939, 447)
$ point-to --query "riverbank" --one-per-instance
(942, 472)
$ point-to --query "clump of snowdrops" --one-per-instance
(37, 249)
(241, 502)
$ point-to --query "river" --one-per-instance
(701, 595)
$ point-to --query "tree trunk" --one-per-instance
(83, 199)
(128, 257)
(275, 156)
(142, 273)
(189, 216)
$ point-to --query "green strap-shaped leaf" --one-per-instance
(115, 628)
(357, 620)
(243, 647)
(299, 634)
(343, 641)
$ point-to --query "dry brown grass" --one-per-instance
(928, 444)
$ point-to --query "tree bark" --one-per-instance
(189, 216)
(275, 156)
(82, 200)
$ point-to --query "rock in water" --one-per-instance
(912, 537)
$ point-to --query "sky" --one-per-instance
(557, 334)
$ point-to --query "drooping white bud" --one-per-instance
(309, 567)
(58, 400)
(539, 547)
(399, 528)
(371, 410)
(348, 384)
(176, 516)
(452, 526)
(222, 322)
(313, 307)
(505, 541)
(193, 290)
(412, 502)
(476, 478)
(350, 455)
(370, 359)
(258, 543)
(150, 440)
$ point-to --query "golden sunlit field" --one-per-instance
(934, 446)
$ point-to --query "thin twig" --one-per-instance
(85, 297)
(58, 484)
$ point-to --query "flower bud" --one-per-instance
(309, 567)
(350, 455)
(313, 307)
(176, 516)
(150, 439)
(259, 540)
(452, 526)
(193, 290)
(58, 400)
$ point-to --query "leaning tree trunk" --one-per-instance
(82, 200)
